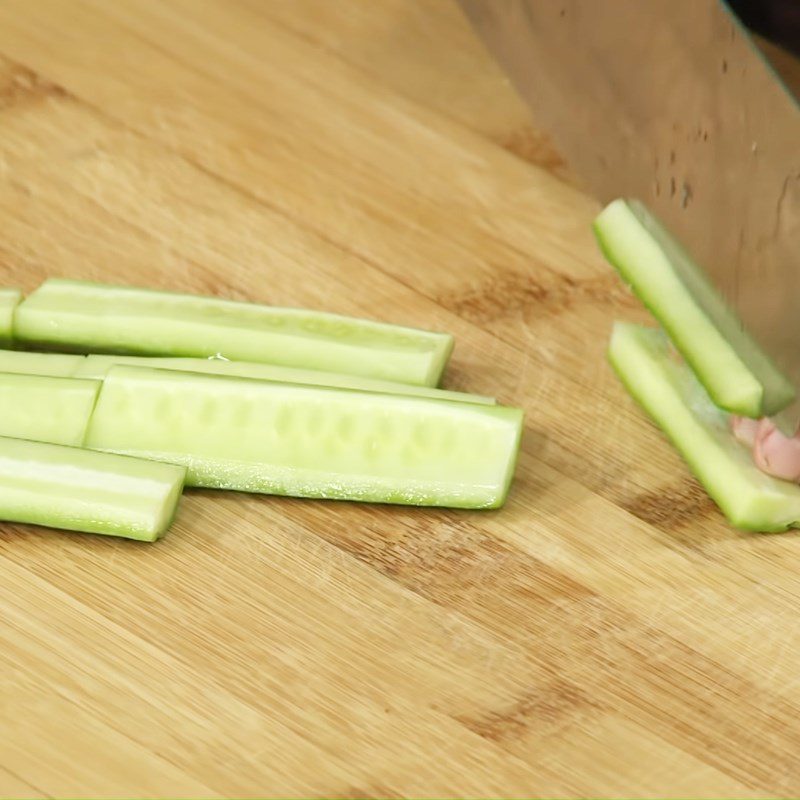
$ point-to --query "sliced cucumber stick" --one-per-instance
(9, 300)
(677, 402)
(85, 317)
(54, 365)
(737, 374)
(55, 410)
(279, 438)
(97, 366)
(80, 490)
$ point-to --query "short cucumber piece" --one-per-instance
(80, 490)
(97, 366)
(679, 404)
(55, 410)
(310, 441)
(738, 375)
(91, 317)
(54, 365)
(9, 300)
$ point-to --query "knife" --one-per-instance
(671, 102)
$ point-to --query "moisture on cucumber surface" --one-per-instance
(308, 441)
(736, 372)
(97, 367)
(81, 490)
(46, 409)
(9, 300)
(91, 317)
(673, 397)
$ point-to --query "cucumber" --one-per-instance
(97, 367)
(79, 490)
(55, 410)
(737, 374)
(678, 403)
(310, 441)
(54, 365)
(9, 300)
(91, 317)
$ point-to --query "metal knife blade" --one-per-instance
(669, 101)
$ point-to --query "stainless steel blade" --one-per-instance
(669, 101)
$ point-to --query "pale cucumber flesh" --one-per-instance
(9, 300)
(81, 490)
(304, 441)
(46, 409)
(89, 317)
(678, 403)
(736, 372)
(54, 365)
(97, 367)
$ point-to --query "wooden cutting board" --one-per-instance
(603, 634)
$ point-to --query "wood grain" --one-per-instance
(604, 634)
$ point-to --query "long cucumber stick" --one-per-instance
(673, 397)
(97, 367)
(735, 371)
(91, 317)
(46, 409)
(310, 441)
(9, 300)
(80, 490)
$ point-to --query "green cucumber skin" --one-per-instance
(741, 524)
(97, 366)
(79, 490)
(46, 409)
(84, 317)
(749, 384)
(765, 493)
(9, 300)
(303, 441)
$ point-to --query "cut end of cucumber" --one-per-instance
(670, 393)
(443, 349)
(46, 409)
(9, 300)
(738, 375)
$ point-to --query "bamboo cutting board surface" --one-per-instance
(603, 634)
